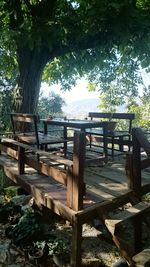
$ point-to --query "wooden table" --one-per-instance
(81, 125)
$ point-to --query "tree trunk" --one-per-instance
(31, 66)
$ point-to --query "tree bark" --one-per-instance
(31, 66)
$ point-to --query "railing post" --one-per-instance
(129, 169)
(21, 159)
(75, 181)
(133, 167)
(136, 182)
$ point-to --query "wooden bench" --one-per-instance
(25, 129)
(43, 175)
(63, 189)
(119, 132)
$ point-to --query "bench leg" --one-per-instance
(129, 146)
(90, 140)
(65, 149)
(121, 144)
(112, 148)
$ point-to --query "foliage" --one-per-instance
(103, 68)
(146, 197)
(8, 65)
(118, 79)
(40, 244)
(51, 105)
(8, 210)
(57, 246)
(76, 37)
(4, 180)
(6, 107)
(10, 191)
(28, 229)
(7, 83)
(141, 108)
(110, 100)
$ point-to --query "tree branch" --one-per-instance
(87, 42)
(15, 13)
(42, 10)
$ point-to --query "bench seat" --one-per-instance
(28, 132)
(44, 139)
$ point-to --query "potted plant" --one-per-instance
(112, 125)
(59, 250)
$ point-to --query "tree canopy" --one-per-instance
(61, 40)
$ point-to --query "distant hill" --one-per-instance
(81, 108)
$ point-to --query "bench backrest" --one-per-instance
(114, 116)
(25, 124)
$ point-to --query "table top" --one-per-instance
(81, 124)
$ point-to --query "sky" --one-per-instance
(79, 92)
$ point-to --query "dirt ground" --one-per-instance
(97, 247)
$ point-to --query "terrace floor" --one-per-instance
(103, 182)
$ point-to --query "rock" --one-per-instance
(21, 199)
(120, 263)
(4, 252)
(2, 200)
(142, 258)
(3, 255)
(13, 252)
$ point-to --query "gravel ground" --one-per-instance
(97, 246)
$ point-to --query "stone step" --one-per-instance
(142, 259)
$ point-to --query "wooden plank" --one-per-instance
(9, 151)
(94, 160)
(22, 117)
(38, 151)
(115, 115)
(105, 192)
(7, 161)
(47, 169)
(114, 221)
(60, 209)
(95, 210)
(114, 175)
(104, 177)
(45, 193)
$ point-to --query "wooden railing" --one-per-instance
(69, 173)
